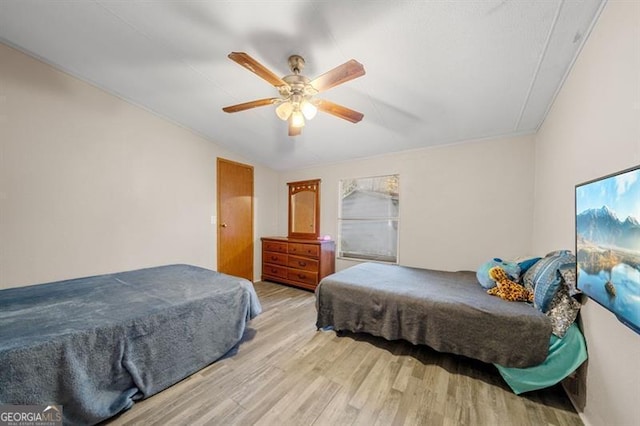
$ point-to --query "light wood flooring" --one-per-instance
(287, 373)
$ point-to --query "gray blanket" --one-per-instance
(96, 344)
(448, 311)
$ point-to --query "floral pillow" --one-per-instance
(563, 311)
(568, 273)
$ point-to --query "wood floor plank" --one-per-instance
(217, 412)
(380, 389)
(402, 379)
(338, 411)
(315, 402)
(389, 407)
(286, 372)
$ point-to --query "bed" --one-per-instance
(448, 311)
(95, 345)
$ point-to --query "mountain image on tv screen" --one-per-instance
(608, 243)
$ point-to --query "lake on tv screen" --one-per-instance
(624, 299)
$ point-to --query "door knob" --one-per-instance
(223, 225)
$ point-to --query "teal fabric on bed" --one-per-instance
(565, 356)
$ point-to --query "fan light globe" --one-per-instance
(297, 119)
(284, 110)
(309, 110)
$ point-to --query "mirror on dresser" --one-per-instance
(300, 259)
(304, 209)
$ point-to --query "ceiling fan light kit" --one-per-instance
(297, 120)
(309, 110)
(296, 102)
(284, 110)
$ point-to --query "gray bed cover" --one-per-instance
(448, 311)
(96, 344)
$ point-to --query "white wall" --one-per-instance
(592, 130)
(460, 205)
(91, 184)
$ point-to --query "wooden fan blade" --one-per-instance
(339, 110)
(249, 105)
(340, 74)
(257, 68)
(294, 131)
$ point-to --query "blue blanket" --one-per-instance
(97, 344)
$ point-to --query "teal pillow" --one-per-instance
(527, 263)
(545, 278)
(511, 268)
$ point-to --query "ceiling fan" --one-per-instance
(297, 101)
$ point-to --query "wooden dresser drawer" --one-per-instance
(277, 258)
(275, 246)
(303, 276)
(275, 270)
(304, 249)
(303, 263)
(297, 262)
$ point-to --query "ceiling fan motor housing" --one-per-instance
(297, 84)
(296, 64)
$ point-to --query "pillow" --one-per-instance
(563, 311)
(544, 277)
(568, 273)
(527, 263)
(558, 253)
(511, 268)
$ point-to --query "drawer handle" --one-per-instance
(274, 271)
(302, 276)
(274, 257)
(302, 263)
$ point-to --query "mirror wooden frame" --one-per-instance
(307, 212)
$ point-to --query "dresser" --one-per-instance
(298, 262)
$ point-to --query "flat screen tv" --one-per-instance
(608, 243)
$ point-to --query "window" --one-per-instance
(368, 219)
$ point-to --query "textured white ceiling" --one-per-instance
(437, 71)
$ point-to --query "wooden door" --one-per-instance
(235, 218)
